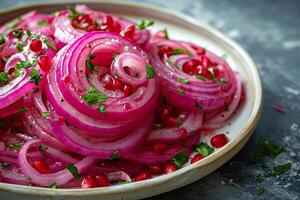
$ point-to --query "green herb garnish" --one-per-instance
(73, 12)
(150, 72)
(89, 63)
(102, 109)
(200, 77)
(144, 24)
(73, 170)
(183, 80)
(199, 106)
(260, 191)
(94, 97)
(115, 155)
(181, 91)
(280, 169)
(50, 44)
(19, 47)
(177, 51)
(5, 58)
(166, 34)
(42, 23)
(4, 165)
(180, 159)
(21, 110)
(15, 146)
(3, 78)
(25, 64)
(42, 147)
(35, 77)
(53, 185)
(204, 149)
(45, 114)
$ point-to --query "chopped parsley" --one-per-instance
(94, 97)
(115, 155)
(50, 44)
(74, 171)
(2, 40)
(177, 51)
(260, 191)
(4, 165)
(73, 13)
(16, 33)
(25, 64)
(19, 47)
(42, 147)
(260, 179)
(280, 169)
(114, 56)
(204, 149)
(5, 58)
(3, 78)
(42, 23)
(21, 110)
(199, 106)
(53, 185)
(223, 81)
(45, 114)
(102, 109)
(150, 72)
(144, 24)
(166, 34)
(180, 159)
(89, 63)
(200, 77)
(183, 80)
(181, 91)
(15, 146)
(35, 77)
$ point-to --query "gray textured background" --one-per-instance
(270, 31)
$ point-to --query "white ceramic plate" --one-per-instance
(180, 27)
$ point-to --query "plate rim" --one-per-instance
(244, 133)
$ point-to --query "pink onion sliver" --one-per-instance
(118, 176)
(59, 178)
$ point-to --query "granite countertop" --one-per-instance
(270, 31)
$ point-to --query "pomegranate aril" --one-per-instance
(88, 182)
(106, 80)
(165, 113)
(183, 133)
(129, 32)
(117, 84)
(108, 20)
(190, 66)
(44, 63)
(82, 21)
(172, 122)
(91, 28)
(170, 167)
(127, 90)
(219, 140)
(200, 51)
(155, 169)
(142, 176)
(198, 70)
(164, 50)
(41, 166)
(196, 158)
(102, 180)
(205, 62)
(36, 45)
(159, 147)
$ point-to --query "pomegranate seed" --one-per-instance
(44, 63)
(159, 147)
(200, 52)
(127, 106)
(183, 133)
(106, 80)
(67, 79)
(219, 140)
(198, 70)
(108, 20)
(206, 74)
(102, 180)
(82, 21)
(172, 122)
(189, 66)
(92, 28)
(164, 50)
(2, 63)
(155, 169)
(88, 182)
(170, 167)
(36, 45)
(205, 62)
(165, 113)
(196, 158)
(127, 90)
(41, 166)
(142, 176)
(215, 71)
(129, 32)
(117, 84)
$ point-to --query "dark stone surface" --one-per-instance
(270, 31)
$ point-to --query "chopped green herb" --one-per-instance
(200, 77)
(35, 77)
(181, 91)
(115, 56)
(94, 97)
(115, 155)
(73, 12)
(53, 185)
(3, 78)
(260, 191)
(2, 40)
(179, 123)
(42, 147)
(183, 80)
(19, 47)
(15, 146)
(204, 149)
(89, 63)
(25, 64)
(42, 23)
(180, 159)
(45, 114)
(199, 106)
(260, 179)
(16, 33)
(165, 31)
(4, 165)
(5, 58)
(50, 44)
(223, 81)
(144, 24)
(21, 110)
(102, 109)
(280, 169)
(73, 170)
(150, 72)
(177, 51)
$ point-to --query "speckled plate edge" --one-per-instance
(167, 182)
